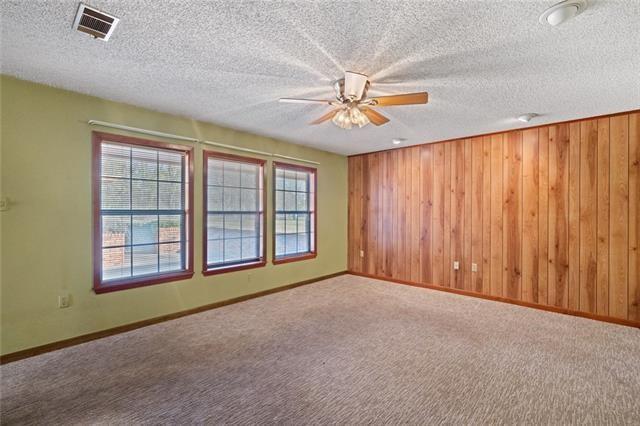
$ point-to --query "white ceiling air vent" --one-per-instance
(94, 22)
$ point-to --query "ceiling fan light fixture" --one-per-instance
(342, 119)
(357, 117)
(346, 118)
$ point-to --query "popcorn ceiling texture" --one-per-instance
(227, 62)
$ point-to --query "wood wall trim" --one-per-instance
(499, 132)
(49, 347)
(548, 308)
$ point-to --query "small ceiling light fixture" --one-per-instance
(349, 116)
(525, 118)
(563, 11)
(398, 141)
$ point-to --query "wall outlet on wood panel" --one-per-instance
(361, 253)
(474, 267)
(456, 265)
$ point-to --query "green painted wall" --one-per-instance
(46, 234)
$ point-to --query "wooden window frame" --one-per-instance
(303, 256)
(126, 283)
(206, 154)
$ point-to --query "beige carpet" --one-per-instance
(348, 350)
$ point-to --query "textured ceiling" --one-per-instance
(228, 62)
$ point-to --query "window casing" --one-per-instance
(143, 218)
(295, 216)
(234, 200)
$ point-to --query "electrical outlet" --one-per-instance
(474, 267)
(361, 253)
(64, 301)
(456, 265)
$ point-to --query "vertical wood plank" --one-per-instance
(372, 213)
(426, 203)
(364, 214)
(356, 218)
(407, 239)
(467, 229)
(486, 215)
(379, 230)
(588, 214)
(417, 208)
(634, 217)
(457, 212)
(558, 290)
(361, 220)
(530, 220)
(512, 216)
(574, 216)
(496, 214)
(399, 243)
(543, 214)
(619, 217)
(447, 215)
(477, 158)
(602, 267)
(437, 219)
(393, 189)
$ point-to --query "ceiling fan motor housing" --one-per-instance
(340, 95)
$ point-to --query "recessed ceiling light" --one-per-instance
(525, 118)
(562, 12)
(398, 141)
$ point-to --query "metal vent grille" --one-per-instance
(94, 22)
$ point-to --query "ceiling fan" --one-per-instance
(352, 105)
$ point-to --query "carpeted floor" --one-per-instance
(348, 350)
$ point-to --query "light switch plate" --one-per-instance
(456, 265)
(474, 267)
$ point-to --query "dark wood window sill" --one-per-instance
(294, 258)
(232, 268)
(141, 282)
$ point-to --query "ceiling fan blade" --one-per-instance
(374, 116)
(306, 101)
(327, 116)
(354, 84)
(404, 99)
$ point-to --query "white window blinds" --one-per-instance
(294, 211)
(143, 211)
(234, 211)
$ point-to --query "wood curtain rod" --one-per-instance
(190, 139)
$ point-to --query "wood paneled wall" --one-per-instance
(548, 215)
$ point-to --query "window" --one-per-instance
(234, 213)
(295, 213)
(142, 212)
